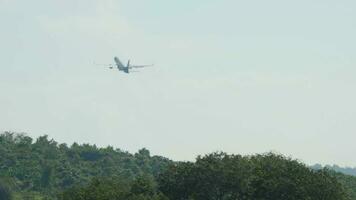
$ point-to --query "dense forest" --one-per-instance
(43, 169)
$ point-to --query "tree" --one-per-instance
(177, 181)
(115, 189)
(5, 191)
(44, 168)
(143, 185)
(220, 176)
(99, 188)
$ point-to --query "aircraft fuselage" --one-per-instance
(122, 67)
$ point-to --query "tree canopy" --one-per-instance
(220, 176)
(44, 169)
(5, 191)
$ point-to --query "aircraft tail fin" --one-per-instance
(118, 62)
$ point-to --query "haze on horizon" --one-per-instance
(237, 76)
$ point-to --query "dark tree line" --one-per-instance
(44, 169)
(220, 176)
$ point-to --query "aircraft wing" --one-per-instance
(139, 66)
(110, 65)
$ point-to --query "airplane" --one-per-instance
(127, 68)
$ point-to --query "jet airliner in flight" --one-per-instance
(127, 68)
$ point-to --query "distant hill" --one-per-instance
(344, 170)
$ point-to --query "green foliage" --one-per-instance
(260, 177)
(144, 185)
(103, 189)
(277, 177)
(46, 167)
(348, 182)
(142, 188)
(5, 191)
(43, 169)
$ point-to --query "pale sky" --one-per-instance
(230, 75)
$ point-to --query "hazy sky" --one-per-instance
(238, 76)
